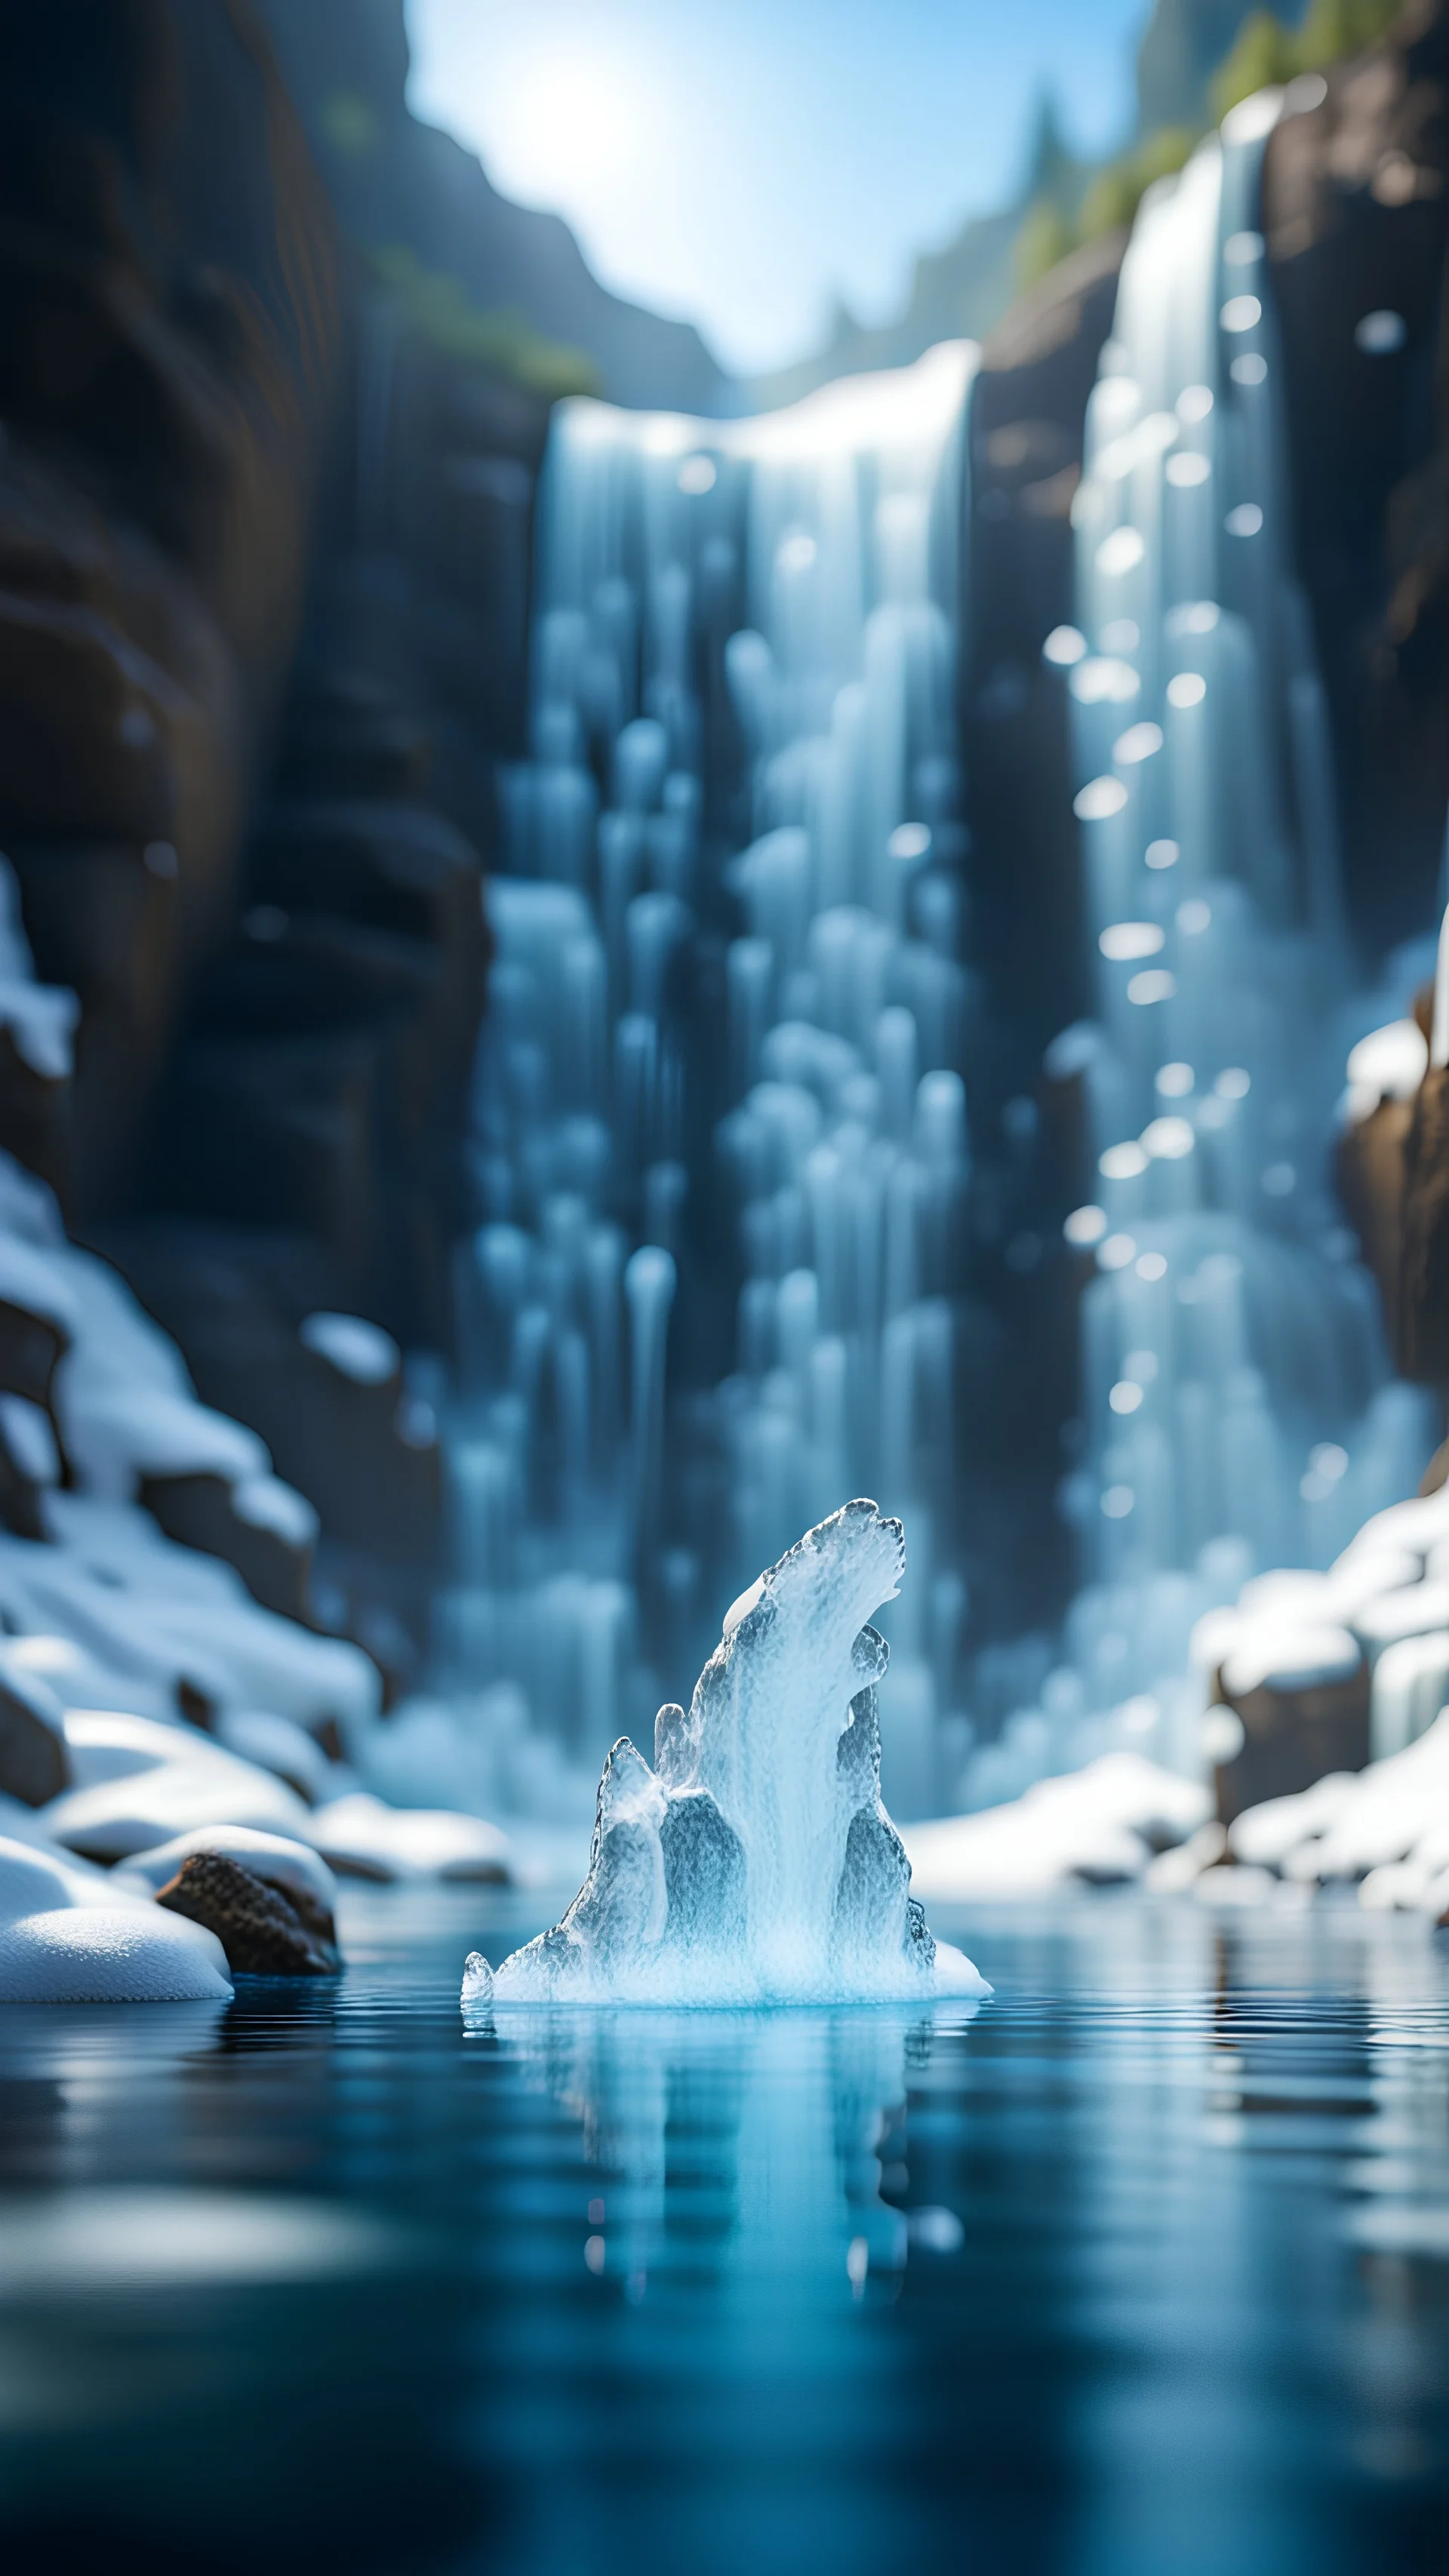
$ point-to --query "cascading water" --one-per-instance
(721, 1116)
(1238, 1408)
(721, 1147)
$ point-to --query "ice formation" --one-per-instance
(755, 1863)
(1239, 1408)
(725, 1045)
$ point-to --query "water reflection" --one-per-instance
(768, 2145)
(1143, 2270)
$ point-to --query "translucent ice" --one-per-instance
(755, 1863)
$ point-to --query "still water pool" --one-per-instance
(1140, 2270)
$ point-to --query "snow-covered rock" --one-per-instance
(1394, 1816)
(1095, 1826)
(279, 1744)
(69, 1935)
(300, 1872)
(116, 1818)
(263, 1931)
(362, 1838)
(112, 1635)
(162, 1615)
(116, 1954)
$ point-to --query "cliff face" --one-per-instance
(401, 185)
(1182, 45)
(169, 347)
(265, 536)
(1356, 214)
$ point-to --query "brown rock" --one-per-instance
(265, 1930)
(34, 1761)
(1370, 1173)
(1423, 1307)
(35, 1118)
(202, 1511)
(30, 1346)
(1291, 1738)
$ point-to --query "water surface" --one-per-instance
(1141, 2268)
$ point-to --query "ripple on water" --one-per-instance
(1144, 2267)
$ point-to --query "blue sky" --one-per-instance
(737, 161)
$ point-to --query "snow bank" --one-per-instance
(1387, 1828)
(68, 1935)
(1096, 1826)
(124, 1954)
(361, 1838)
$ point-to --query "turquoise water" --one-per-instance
(1143, 2268)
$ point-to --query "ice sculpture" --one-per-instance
(756, 1862)
(1238, 1406)
(724, 1054)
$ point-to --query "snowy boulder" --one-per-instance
(755, 1861)
(142, 1782)
(1093, 1827)
(36, 1877)
(67, 1935)
(261, 1929)
(1391, 1817)
(124, 1816)
(180, 1625)
(119, 1954)
(278, 1744)
(298, 1872)
(1300, 1695)
(359, 1837)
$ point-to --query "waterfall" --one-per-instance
(1237, 1405)
(721, 1141)
(722, 1150)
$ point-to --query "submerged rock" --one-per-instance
(756, 1862)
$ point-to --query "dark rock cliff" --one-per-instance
(169, 347)
(265, 538)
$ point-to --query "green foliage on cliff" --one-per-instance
(1116, 193)
(444, 315)
(1267, 52)
(1046, 236)
(349, 122)
(1048, 232)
